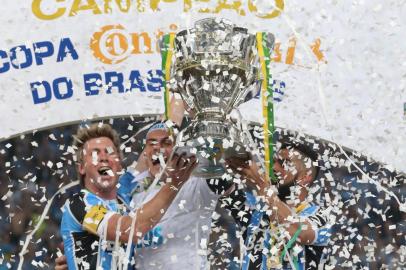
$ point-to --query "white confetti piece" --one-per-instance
(215, 99)
(174, 258)
(95, 158)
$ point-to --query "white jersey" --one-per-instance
(185, 227)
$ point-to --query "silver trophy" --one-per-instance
(215, 68)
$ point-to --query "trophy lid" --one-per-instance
(212, 39)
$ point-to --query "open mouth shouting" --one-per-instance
(105, 171)
(156, 159)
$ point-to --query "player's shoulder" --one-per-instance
(79, 203)
(76, 200)
(73, 212)
(84, 198)
(309, 209)
(318, 215)
(130, 180)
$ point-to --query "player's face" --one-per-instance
(283, 173)
(100, 165)
(158, 143)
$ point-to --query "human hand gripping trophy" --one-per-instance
(215, 67)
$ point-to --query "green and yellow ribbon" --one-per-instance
(290, 244)
(267, 103)
(167, 53)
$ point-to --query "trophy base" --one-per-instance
(213, 142)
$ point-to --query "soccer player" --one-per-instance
(185, 227)
(305, 222)
(179, 241)
(97, 216)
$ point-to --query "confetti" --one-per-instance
(368, 219)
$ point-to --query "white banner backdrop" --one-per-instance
(339, 65)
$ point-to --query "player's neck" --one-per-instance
(104, 194)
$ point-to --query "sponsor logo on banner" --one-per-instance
(113, 44)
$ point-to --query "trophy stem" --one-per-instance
(210, 116)
(213, 141)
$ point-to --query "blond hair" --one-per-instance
(94, 131)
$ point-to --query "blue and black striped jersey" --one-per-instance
(82, 215)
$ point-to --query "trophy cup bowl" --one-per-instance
(215, 68)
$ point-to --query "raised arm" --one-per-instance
(176, 113)
(177, 110)
(278, 211)
(176, 174)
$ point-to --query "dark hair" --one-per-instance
(307, 151)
